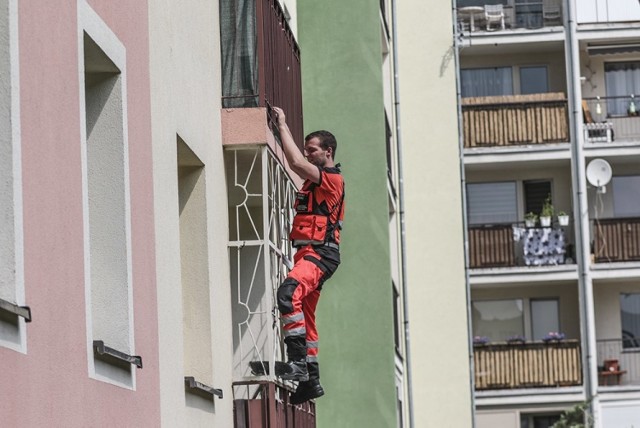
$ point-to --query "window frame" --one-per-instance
(17, 342)
(622, 329)
(93, 26)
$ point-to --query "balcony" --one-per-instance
(513, 14)
(605, 11)
(527, 365)
(616, 240)
(608, 119)
(509, 245)
(618, 362)
(265, 404)
(515, 120)
(260, 60)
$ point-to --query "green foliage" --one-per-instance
(576, 417)
(547, 208)
(531, 216)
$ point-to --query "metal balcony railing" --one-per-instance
(527, 365)
(616, 240)
(260, 59)
(609, 119)
(263, 404)
(515, 120)
(618, 361)
(526, 14)
(508, 245)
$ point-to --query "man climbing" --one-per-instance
(315, 232)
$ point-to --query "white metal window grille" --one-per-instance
(261, 199)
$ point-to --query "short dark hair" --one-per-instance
(326, 139)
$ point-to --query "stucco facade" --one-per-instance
(57, 371)
(194, 309)
(345, 69)
(435, 245)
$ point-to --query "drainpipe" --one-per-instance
(581, 212)
(465, 229)
(403, 244)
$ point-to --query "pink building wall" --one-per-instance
(50, 385)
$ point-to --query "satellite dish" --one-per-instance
(599, 174)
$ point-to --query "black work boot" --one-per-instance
(296, 370)
(307, 391)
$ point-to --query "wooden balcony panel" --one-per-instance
(530, 365)
(491, 246)
(515, 120)
(617, 240)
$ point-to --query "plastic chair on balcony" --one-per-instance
(595, 132)
(551, 13)
(494, 14)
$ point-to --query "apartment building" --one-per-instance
(550, 128)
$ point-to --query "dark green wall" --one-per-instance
(340, 43)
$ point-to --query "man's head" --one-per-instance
(320, 148)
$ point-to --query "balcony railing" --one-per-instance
(515, 120)
(263, 404)
(616, 240)
(260, 59)
(527, 365)
(527, 14)
(508, 245)
(618, 361)
(609, 119)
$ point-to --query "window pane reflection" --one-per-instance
(498, 319)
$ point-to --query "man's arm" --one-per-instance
(297, 161)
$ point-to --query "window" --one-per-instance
(535, 192)
(626, 196)
(389, 141)
(483, 82)
(630, 317)
(622, 79)
(544, 317)
(533, 80)
(239, 53)
(538, 421)
(528, 14)
(490, 203)
(397, 333)
(498, 319)
(12, 317)
(194, 266)
(105, 150)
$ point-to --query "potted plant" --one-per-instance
(530, 219)
(563, 218)
(480, 340)
(516, 340)
(553, 336)
(546, 213)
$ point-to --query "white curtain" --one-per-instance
(484, 82)
(622, 79)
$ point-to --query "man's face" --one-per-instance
(314, 152)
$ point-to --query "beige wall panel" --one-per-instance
(185, 87)
(435, 254)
